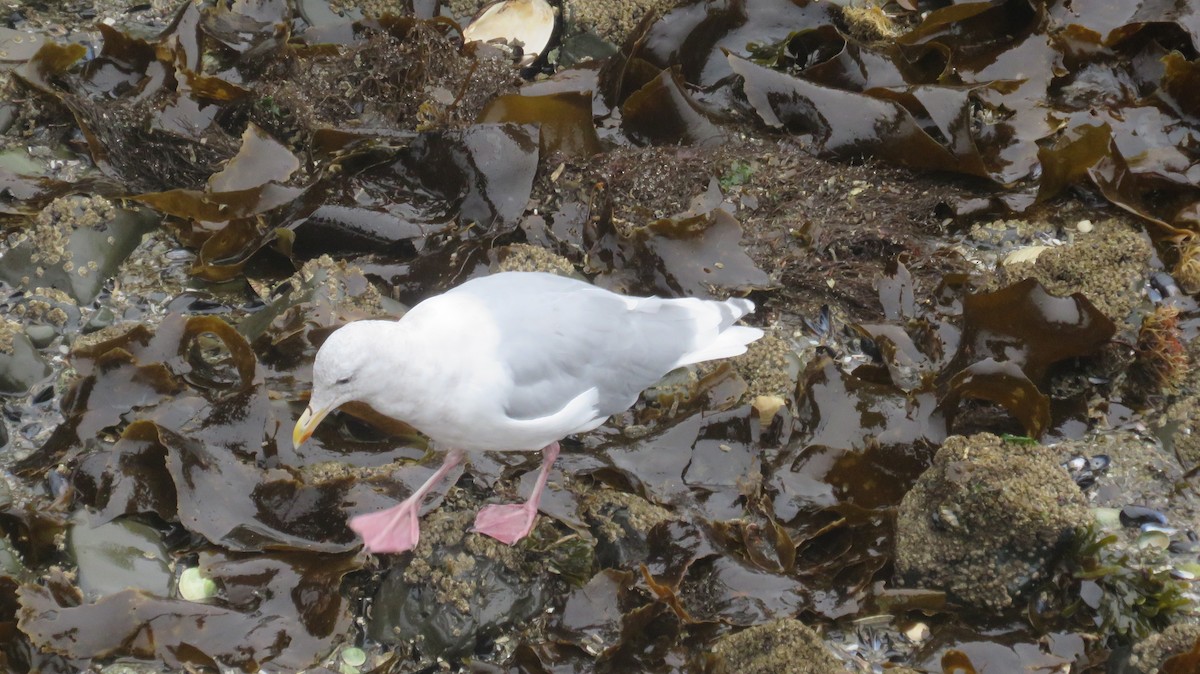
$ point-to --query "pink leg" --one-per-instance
(511, 523)
(396, 529)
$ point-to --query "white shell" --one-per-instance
(195, 586)
(917, 632)
(767, 407)
(1107, 518)
(529, 22)
(1026, 254)
(1153, 539)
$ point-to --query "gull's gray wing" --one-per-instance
(560, 337)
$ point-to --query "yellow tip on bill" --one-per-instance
(305, 425)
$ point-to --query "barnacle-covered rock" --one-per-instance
(20, 364)
(987, 519)
(457, 586)
(1107, 266)
(1149, 654)
(524, 257)
(1179, 429)
(74, 244)
(785, 646)
(621, 523)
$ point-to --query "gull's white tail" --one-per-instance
(717, 336)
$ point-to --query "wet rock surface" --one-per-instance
(1106, 264)
(1151, 655)
(1139, 556)
(785, 646)
(460, 591)
(21, 367)
(74, 244)
(987, 520)
(621, 523)
(1180, 431)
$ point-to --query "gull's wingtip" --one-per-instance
(740, 306)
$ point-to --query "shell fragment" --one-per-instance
(529, 23)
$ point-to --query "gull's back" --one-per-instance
(558, 339)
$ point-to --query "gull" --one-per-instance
(514, 361)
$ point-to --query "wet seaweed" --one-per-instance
(1127, 600)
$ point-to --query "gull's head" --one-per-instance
(342, 373)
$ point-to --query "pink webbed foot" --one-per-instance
(396, 529)
(392, 530)
(506, 523)
(510, 523)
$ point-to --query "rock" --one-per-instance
(613, 21)
(325, 292)
(785, 646)
(1139, 473)
(1149, 654)
(771, 367)
(1179, 429)
(47, 309)
(524, 257)
(10, 560)
(20, 364)
(75, 243)
(40, 335)
(456, 587)
(1107, 266)
(621, 523)
(987, 519)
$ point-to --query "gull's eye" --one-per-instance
(343, 381)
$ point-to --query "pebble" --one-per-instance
(40, 335)
(195, 586)
(1136, 516)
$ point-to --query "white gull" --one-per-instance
(511, 362)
